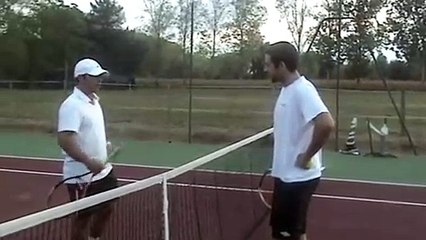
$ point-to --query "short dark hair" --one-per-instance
(284, 52)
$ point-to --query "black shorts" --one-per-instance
(290, 205)
(102, 185)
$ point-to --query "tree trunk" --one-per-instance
(157, 60)
(424, 71)
(183, 73)
(214, 43)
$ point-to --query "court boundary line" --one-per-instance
(397, 184)
(322, 196)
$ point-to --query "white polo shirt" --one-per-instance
(297, 104)
(80, 114)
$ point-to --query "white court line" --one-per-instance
(230, 172)
(330, 197)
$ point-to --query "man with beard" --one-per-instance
(302, 125)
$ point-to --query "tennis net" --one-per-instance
(212, 197)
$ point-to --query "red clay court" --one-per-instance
(341, 209)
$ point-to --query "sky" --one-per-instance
(273, 30)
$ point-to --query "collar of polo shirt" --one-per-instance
(84, 97)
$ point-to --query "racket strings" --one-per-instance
(259, 219)
(262, 191)
(111, 157)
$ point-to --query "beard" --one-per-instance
(276, 78)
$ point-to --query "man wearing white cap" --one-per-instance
(82, 137)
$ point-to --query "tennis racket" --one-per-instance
(59, 191)
(266, 186)
(264, 189)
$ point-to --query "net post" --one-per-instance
(165, 209)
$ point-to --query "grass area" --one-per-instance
(151, 113)
(219, 116)
(135, 152)
(348, 84)
(254, 157)
(404, 169)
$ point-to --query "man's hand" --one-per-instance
(303, 161)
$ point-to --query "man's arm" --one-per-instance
(69, 121)
(323, 126)
(314, 111)
(68, 142)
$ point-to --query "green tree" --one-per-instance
(257, 66)
(63, 36)
(183, 24)
(216, 19)
(243, 32)
(13, 48)
(407, 23)
(248, 17)
(297, 14)
(106, 14)
(310, 64)
(39, 37)
(23, 28)
(119, 50)
(382, 65)
(399, 70)
(326, 42)
(161, 14)
(7, 10)
(363, 35)
(14, 55)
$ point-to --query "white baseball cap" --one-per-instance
(88, 66)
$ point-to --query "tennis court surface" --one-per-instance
(213, 197)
